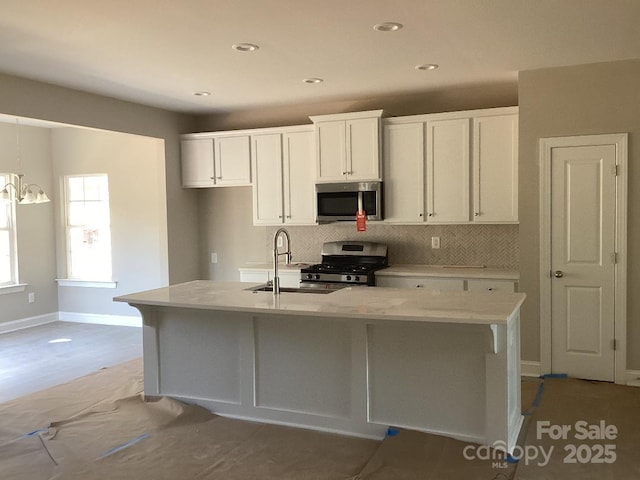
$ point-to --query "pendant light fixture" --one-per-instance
(24, 193)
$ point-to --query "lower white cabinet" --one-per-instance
(447, 284)
(483, 285)
(289, 278)
(428, 283)
(254, 276)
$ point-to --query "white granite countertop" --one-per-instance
(412, 270)
(449, 271)
(293, 266)
(353, 302)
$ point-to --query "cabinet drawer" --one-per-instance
(255, 277)
(491, 286)
(421, 282)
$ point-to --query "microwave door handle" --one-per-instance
(359, 202)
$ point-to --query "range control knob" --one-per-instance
(317, 277)
(309, 276)
(357, 279)
(348, 278)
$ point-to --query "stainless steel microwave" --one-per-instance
(339, 201)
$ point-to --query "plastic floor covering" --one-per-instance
(100, 427)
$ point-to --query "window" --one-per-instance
(8, 251)
(88, 229)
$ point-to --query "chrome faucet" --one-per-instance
(276, 255)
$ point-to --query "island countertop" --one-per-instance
(352, 302)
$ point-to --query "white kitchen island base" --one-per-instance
(342, 362)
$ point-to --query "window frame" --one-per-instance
(12, 228)
(97, 281)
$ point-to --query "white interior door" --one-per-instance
(583, 242)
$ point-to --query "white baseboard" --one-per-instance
(633, 378)
(530, 369)
(118, 320)
(14, 325)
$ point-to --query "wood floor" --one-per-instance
(40, 357)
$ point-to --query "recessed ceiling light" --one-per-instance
(245, 47)
(387, 27)
(59, 340)
(427, 66)
(202, 93)
(313, 80)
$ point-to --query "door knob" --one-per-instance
(558, 274)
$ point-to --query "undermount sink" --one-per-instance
(269, 288)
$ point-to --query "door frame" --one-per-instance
(620, 140)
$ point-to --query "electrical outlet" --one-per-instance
(214, 257)
(435, 242)
(32, 297)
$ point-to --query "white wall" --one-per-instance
(28, 98)
(136, 173)
(578, 100)
(36, 237)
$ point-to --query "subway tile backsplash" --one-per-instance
(490, 245)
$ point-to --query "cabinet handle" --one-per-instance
(430, 214)
(421, 215)
(490, 289)
(477, 214)
(219, 178)
(279, 216)
(419, 286)
(288, 216)
(212, 178)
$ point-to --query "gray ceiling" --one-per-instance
(158, 52)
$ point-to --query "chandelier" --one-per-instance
(22, 192)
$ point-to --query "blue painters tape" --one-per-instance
(536, 401)
(124, 445)
(511, 459)
(392, 432)
(555, 375)
(35, 432)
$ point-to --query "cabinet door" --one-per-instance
(427, 283)
(288, 278)
(331, 151)
(197, 162)
(495, 168)
(484, 285)
(404, 173)
(298, 178)
(363, 149)
(232, 160)
(266, 159)
(448, 171)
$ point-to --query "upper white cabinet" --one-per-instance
(197, 162)
(458, 167)
(495, 168)
(404, 172)
(348, 146)
(447, 181)
(283, 190)
(210, 160)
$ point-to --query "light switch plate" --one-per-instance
(32, 297)
(435, 242)
(214, 257)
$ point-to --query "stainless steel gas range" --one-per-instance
(345, 264)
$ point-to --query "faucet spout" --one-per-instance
(277, 254)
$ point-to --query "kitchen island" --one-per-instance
(354, 361)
